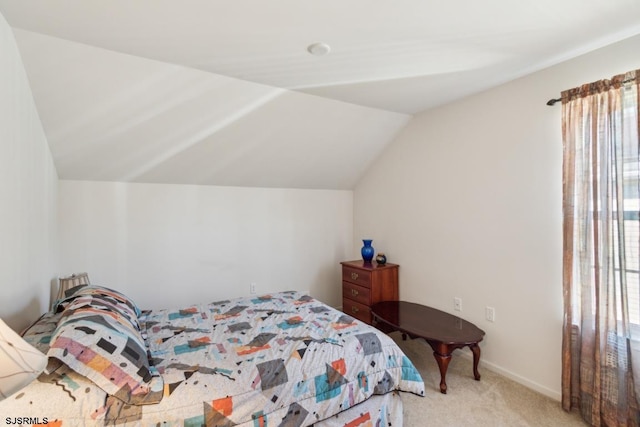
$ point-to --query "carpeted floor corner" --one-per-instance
(493, 401)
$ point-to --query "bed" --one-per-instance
(283, 359)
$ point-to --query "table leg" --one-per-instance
(475, 348)
(443, 363)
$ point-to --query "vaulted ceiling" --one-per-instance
(226, 93)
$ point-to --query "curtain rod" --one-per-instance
(552, 102)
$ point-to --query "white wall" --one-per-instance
(468, 200)
(173, 245)
(28, 184)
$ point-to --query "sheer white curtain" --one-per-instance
(601, 281)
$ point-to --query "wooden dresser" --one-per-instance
(364, 284)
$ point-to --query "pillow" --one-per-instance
(107, 294)
(39, 333)
(100, 342)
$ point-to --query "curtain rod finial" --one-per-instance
(553, 101)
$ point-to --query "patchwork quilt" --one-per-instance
(283, 359)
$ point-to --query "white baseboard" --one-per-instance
(555, 395)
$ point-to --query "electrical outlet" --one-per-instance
(457, 304)
(252, 288)
(490, 314)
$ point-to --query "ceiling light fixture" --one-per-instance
(319, 49)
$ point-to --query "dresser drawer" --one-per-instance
(364, 284)
(356, 293)
(354, 275)
(357, 310)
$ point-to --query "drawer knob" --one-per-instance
(354, 292)
(354, 276)
(354, 309)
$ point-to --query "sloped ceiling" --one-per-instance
(115, 117)
(225, 93)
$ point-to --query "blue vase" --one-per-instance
(367, 250)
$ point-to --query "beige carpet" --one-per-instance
(492, 401)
